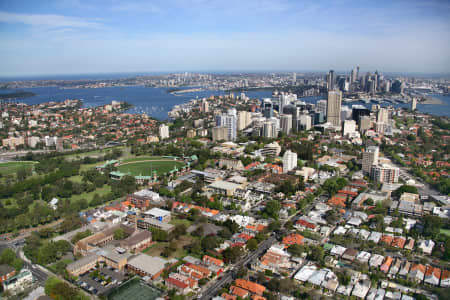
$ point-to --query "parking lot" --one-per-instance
(106, 279)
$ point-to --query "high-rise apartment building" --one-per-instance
(370, 157)
(349, 127)
(365, 123)
(305, 122)
(334, 107)
(289, 161)
(205, 106)
(321, 106)
(383, 115)
(414, 103)
(220, 134)
(384, 173)
(164, 131)
(228, 120)
(244, 119)
(286, 123)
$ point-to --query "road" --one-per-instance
(424, 188)
(39, 273)
(228, 276)
(212, 290)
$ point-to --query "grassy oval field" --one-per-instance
(145, 165)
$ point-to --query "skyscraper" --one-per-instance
(413, 103)
(383, 115)
(286, 123)
(244, 119)
(305, 122)
(330, 80)
(322, 106)
(334, 107)
(353, 76)
(370, 157)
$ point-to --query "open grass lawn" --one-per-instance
(141, 158)
(12, 167)
(145, 168)
(77, 178)
(89, 196)
(445, 231)
(157, 249)
(180, 221)
(96, 153)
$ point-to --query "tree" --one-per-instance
(119, 234)
(179, 230)
(210, 242)
(332, 216)
(405, 189)
(50, 285)
(252, 244)
(272, 209)
(7, 256)
(242, 273)
(297, 250)
(275, 225)
(432, 226)
(231, 254)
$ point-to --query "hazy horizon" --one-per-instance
(71, 37)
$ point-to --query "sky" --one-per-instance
(101, 36)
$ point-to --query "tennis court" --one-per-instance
(134, 289)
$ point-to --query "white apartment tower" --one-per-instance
(305, 122)
(228, 120)
(163, 131)
(383, 115)
(289, 161)
(244, 119)
(349, 127)
(413, 103)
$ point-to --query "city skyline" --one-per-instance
(80, 37)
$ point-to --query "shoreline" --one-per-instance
(431, 100)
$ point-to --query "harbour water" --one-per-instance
(157, 102)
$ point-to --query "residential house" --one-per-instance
(6, 272)
(432, 275)
(350, 254)
(180, 286)
(426, 246)
(404, 270)
(252, 287)
(386, 264)
(293, 239)
(445, 278)
(417, 272)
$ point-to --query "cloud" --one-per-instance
(48, 21)
(134, 7)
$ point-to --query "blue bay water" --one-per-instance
(157, 102)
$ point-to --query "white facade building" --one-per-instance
(164, 131)
(289, 161)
